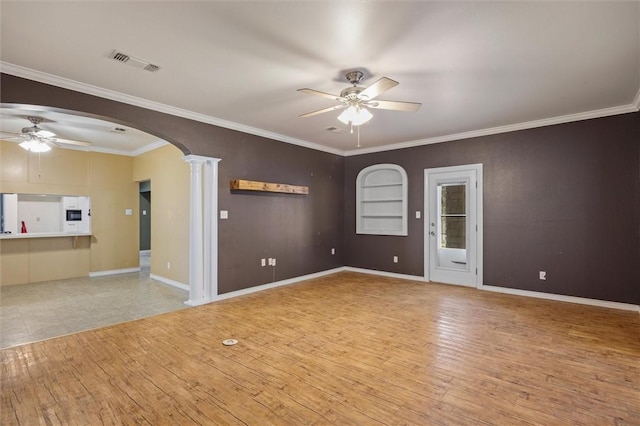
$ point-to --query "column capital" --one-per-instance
(199, 159)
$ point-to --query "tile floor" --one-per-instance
(38, 311)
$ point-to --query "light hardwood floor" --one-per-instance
(346, 349)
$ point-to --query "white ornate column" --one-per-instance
(196, 237)
(210, 251)
(203, 230)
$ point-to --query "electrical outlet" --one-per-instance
(333, 251)
(543, 275)
(168, 265)
(395, 259)
(263, 262)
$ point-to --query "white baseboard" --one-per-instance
(517, 292)
(525, 293)
(113, 272)
(384, 274)
(275, 284)
(563, 298)
(172, 283)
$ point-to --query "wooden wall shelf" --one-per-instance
(251, 185)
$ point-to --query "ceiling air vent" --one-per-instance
(152, 68)
(120, 57)
(133, 61)
(333, 129)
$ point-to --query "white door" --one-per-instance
(453, 232)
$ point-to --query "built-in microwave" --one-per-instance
(74, 215)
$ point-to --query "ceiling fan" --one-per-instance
(37, 139)
(355, 100)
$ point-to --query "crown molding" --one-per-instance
(65, 83)
(148, 147)
(89, 89)
(504, 129)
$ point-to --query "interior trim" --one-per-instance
(65, 83)
(385, 274)
(89, 89)
(275, 284)
(606, 112)
(170, 282)
(515, 292)
(113, 272)
(563, 298)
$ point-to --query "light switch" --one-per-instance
(224, 214)
(418, 214)
(128, 212)
(144, 212)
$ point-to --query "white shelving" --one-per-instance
(381, 200)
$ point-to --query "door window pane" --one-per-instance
(453, 219)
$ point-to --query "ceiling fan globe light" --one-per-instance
(348, 115)
(363, 115)
(41, 147)
(355, 116)
(35, 145)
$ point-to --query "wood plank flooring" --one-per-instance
(346, 349)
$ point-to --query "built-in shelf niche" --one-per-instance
(381, 200)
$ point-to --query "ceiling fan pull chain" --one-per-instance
(358, 136)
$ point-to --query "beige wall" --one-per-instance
(115, 241)
(106, 178)
(169, 176)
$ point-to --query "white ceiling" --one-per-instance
(102, 135)
(476, 67)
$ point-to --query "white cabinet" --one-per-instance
(70, 203)
(76, 214)
(381, 200)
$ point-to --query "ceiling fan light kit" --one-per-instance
(355, 116)
(35, 145)
(36, 139)
(358, 99)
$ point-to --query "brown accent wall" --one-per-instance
(298, 230)
(564, 199)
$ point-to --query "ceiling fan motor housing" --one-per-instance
(351, 93)
(355, 77)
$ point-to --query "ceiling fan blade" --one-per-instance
(44, 133)
(67, 142)
(322, 94)
(5, 135)
(394, 105)
(333, 108)
(377, 88)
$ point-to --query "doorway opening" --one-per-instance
(453, 232)
(145, 225)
